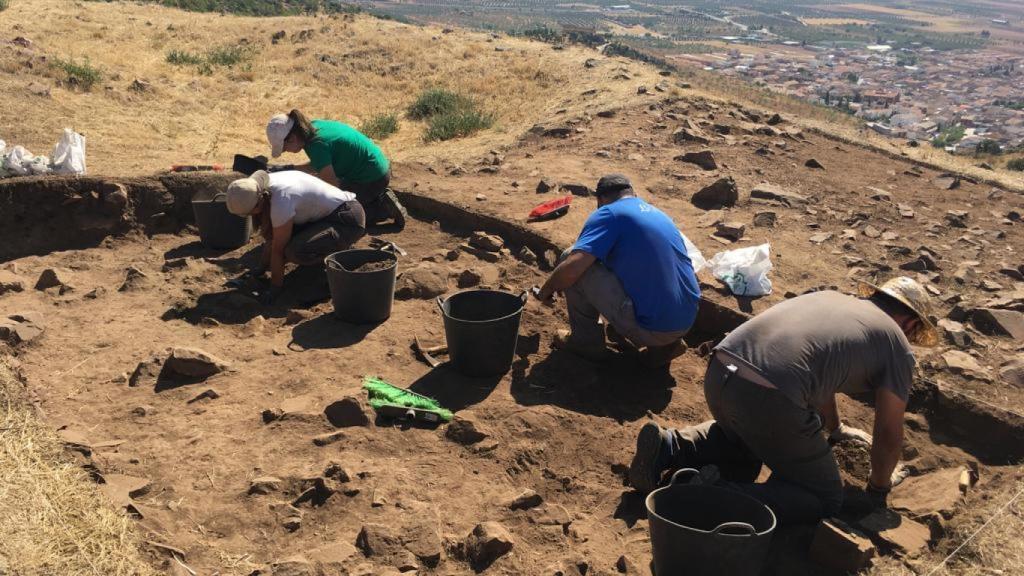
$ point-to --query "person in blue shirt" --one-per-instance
(629, 265)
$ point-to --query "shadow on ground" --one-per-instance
(326, 331)
(619, 388)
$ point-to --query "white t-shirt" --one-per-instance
(302, 197)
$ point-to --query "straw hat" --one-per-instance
(911, 294)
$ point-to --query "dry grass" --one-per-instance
(52, 519)
(350, 70)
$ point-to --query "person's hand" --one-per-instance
(844, 433)
(267, 297)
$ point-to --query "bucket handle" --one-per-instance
(524, 297)
(440, 304)
(218, 195)
(683, 475)
(736, 528)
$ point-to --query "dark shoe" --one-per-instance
(393, 208)
(653, 456)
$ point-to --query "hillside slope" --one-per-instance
(340, 66)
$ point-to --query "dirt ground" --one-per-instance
(558, 425)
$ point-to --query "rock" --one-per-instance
(488, 242)
(145, 373)
(293, 566)
(484, 255)
(840, 549)
(120, 488)
(556, 132)
(264, 485)
(296, 316)
(879, 194)
(957, 218)
(995, 322)
(10, 282)
(872, 232)
(946, 182)
(685, 135)
(488, 542)
(905, 536)
(929, 496)
(821, 237)
(990, 286)
(590, 63)
(721, 193)
(53, 278)
(22, 328)
(422, 539)
(607, 113)
(347, 412)
(426, 280)
(331, 558)
(481, 197)
(208, 394)
(526, 500)
(140, 86)
(544, 186)
(464, 430)
(959, 362)
(765, 219)
(133, 279)
(194, 363)
(1012, 372)
(705, 159)
(955, 333)
(527, 256)
(965, 271)
(328, 438)
(923, 263)
(812, 163)
(468, 279)
(774, 120)
(731, 230)
(382, 544)
(771, 192)
(577, 189)
(905, 210)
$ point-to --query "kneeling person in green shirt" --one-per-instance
(302, 219)
(341, 156)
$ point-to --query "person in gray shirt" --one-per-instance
(771, 386)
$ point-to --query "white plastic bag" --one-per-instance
(40, 165)
(744, 271)
(69, 154)
(696, 258)
(17, 161)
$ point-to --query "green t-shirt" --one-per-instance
(354, 156)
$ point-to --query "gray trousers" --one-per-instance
(600, 293)
(312, 242)
(755, 425)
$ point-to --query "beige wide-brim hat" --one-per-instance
(911, 294)
(244, 194)
(277, 130)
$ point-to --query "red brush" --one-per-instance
(551, 209)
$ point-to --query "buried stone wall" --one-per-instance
(41, 214)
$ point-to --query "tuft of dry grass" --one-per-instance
(53, 520)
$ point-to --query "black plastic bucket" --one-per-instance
(481, 327)
(701, 530)
(361, 297)
(219, 229)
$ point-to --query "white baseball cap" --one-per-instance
(243, 194)
(277, 130)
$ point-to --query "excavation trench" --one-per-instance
(43, 216)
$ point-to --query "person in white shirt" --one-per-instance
(302, 219)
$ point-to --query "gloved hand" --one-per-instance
(845, 432)
(267, 298)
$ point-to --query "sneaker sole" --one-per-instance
(648, 444)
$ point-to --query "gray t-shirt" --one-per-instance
(816, 345)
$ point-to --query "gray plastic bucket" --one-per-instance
(700, 530)
(361, 297)
(219, 229)
(482, 327)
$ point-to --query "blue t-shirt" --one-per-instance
(642, 246)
